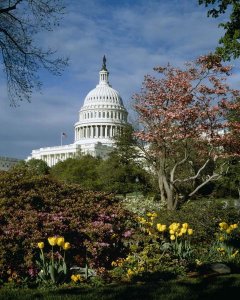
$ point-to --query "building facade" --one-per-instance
(7, 163)
(101, 117)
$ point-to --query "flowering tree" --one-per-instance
(185, 128)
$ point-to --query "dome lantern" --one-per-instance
(103, 74)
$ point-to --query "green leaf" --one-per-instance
(64, 268)
(52, 273)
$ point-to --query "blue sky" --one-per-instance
(134, 35)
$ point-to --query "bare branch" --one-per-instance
(213, 177)
(11, 7)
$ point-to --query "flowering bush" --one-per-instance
(158, 248)
(34, 208)
(227, 241)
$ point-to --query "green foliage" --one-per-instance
(33, 207)
(120, 173)
(32, 166)
(82, 170)
(84, 272)
(230, 45)
(203, 215)
(121, 177)
(123, 172)
(229, 184)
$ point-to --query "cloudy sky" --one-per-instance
(135, 36)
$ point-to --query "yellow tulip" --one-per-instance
(190, 231)
(183, 230)
(185, 225)
(52, 240)
(223, 225)
(161, 227)
(164, 227)
(171, 231)
(234, 226)
(66, 246)
(40, 245)
(229, 230)
(74, 278)
(60, 241)
(221, 238)
(172, 237)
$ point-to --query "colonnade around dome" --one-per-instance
(97, 131)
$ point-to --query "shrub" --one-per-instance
(33, 208)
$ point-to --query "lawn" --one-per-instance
(210, 287)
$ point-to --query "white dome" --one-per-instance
(103, 94)
(102, 115)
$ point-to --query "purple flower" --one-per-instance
(32, 272)
(127, 233)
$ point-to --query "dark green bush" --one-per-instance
(203, 215)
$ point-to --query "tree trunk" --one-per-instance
(161, 188)
(167, 192)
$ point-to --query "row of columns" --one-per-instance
(97, 131)
(104, 114)
(52, 159)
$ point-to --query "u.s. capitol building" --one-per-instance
(101, 117)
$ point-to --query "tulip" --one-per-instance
(52, 240)
(60, 241)
(66, 246)
(40, 245)
(74, 278)
(223, 225)
(183, 230)
(190, 231)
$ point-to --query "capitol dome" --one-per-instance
(102, 115)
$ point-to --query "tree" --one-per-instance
(33, 166)
(184, 118)
(230, 42)
(82, 170)
(123, 171)
(21, 56)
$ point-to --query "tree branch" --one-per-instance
(176, 165)
(198, 172)
(210, 178)
(12, 7)
(13, 40)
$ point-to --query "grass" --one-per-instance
(217, 287)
